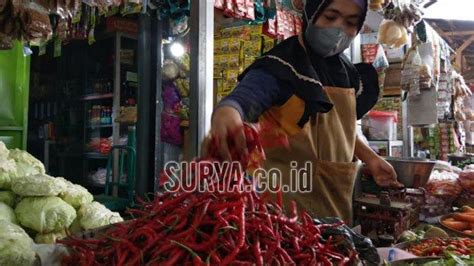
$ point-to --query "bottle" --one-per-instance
(110, 115)
(93, 115)
(102, 114)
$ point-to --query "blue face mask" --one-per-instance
(327, 42)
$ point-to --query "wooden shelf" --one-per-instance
(92, 97)
(392, 91)
(94, 185)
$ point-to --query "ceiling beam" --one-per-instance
(460, 50)
(457, 33)
(441, 32)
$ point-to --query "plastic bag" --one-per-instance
(466, 179)
(392, 34)
(410, 80)
(444, 185)
(348, 240)
(171, 129)
(170, 97)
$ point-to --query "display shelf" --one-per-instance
(95, 155)
(92, 97)
(391, 148)
(100, 126)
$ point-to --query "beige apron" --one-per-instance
(328, 142)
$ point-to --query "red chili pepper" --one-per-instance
(232, 227)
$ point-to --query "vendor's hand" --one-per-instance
(383, 173)
(226, 120)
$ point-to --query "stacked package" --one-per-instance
(235, 49)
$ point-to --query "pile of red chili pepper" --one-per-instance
(230, 227)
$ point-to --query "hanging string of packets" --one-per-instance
(36, 22)
(281, 18)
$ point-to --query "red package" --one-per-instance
(298, 25)
(240, 8)
(229, 8)
(280, 20)
(250, 13)
(290, 25)
(219, 4)
(270, 28)
(105, 146)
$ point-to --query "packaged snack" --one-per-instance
(219, 4)
(270, 28)
(240, 8)
(36, 23)
(298, 24)
(250, 9)
(229, 8)
(171, 129)
(280, 21)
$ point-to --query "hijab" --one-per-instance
(307, 73)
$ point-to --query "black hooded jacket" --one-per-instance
(289, 69)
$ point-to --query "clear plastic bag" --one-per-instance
(444, 185)
(411, 73)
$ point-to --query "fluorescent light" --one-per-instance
(177, 49)
(451, 10)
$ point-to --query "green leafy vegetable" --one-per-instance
(4, 152)
(45, 214)
(50, 238)
(8, 198)
(15, 245)
(7, 172)
(7, 213)
(75, 195)
(38, 185)
(94, 215)
(26, 164)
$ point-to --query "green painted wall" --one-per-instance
(14, 91)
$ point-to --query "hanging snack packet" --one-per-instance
(36, 24)
(250, 12)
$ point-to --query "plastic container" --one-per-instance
(382, 125)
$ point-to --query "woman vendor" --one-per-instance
(309, 90)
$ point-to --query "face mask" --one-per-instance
(327, 42)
